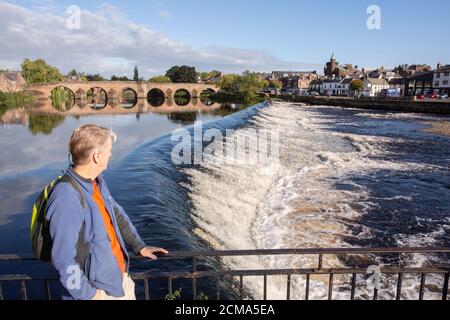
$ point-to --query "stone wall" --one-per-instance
(11, 81)
(435, 107)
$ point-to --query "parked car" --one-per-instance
(443, 96)
(420, 97)
(314, 93)
(433, 95)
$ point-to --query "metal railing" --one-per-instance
(221, 275)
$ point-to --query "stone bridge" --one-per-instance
(105, 96)
(114, 89)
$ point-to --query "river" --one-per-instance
(346, 178)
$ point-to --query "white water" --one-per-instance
(296, 205)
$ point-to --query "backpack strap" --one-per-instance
(68, 179)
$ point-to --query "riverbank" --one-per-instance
(431, 107)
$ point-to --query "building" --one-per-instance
(11, 81)
(441, 79)
(420, 83)
(277, 75)
(316, 86)
(299, 83)
(344, 87)
(331, 68)
(397, 84)
(374, 86)
(331, 87)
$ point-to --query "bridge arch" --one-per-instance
(156, 97)
(182, 97)
(97, 98)
(63, 98)
(128, 98)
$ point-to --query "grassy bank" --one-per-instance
(13, 100)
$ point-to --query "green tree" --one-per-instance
(160, 79)
(39, 71)
(276, 84)
(209, 75)
(183, 74)
(136, 74)
(94, 77)
(356, 85)
(229, 83)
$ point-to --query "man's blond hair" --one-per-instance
(86, 139)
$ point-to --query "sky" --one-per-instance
(111, 37)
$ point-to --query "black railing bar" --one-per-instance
(1, 292)
(422, 285)
(288, 288)
(241, 286)
(352, 294)
(146, 290)
(330, 287)
(445, 291)
(271, 272)
(23, 290)
(308, 277)
(47, 288)
(279, 272)
(218, 288)
(225, 253)
(399, 286)
(265, 287)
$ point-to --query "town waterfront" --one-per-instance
(348, 178)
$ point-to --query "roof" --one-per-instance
(421, 74)
(444, 69)
(377, 81)
(397, 81)
(347, 81)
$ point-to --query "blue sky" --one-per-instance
(298, 32)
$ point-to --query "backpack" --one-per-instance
(40, 230)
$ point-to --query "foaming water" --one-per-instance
(334, 181)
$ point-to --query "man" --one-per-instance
(89, 229)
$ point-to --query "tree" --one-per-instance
(160, 79)
(209, 75)
(94, 77)
(276, 84)
(356, 85)
(136, 74)
(122, 78)
(39, 71)
(229, 83)
(183, 74)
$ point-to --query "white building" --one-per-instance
(374, 86)
(441, 79)
(331, 87)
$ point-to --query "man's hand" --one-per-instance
(150, 251)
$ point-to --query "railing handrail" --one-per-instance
(266, 252)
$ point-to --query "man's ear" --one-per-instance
(96, 157)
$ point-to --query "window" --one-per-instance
(445, 82)
(446, 74)
(438, 75)
(436, 83)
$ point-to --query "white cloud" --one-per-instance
(164, 14)
(109, 43)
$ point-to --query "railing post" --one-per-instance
(23, 290)
(422, 285)
(399, 286)
(288, 294)
(265, 288)
(352, 294)
(146, 289)
(194, 279)
(445, 292)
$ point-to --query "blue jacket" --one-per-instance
(81, 250)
